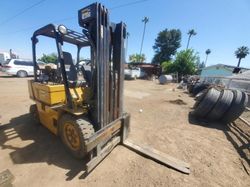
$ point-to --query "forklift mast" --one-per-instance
(108, 58)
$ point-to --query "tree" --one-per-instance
(167, 67)
(166, 45)
(240, 53)
(50, 58)
(190, 34)
(199, 66)
(208, 51)
(184, 64)
(137, 58)
(145, 20)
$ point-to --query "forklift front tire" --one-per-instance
(74, 131)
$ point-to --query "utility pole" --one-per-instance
(145, 20)
(11, 54)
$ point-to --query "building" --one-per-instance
(149, 69)
(3, 57)
(7, 55)
(219, 70)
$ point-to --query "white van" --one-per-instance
(134, 73)
(18, 67)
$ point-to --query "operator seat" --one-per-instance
(69, 66)
(71, 71)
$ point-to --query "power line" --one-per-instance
(127, 4)
(68, 18)
(37, 26)
(21, 12)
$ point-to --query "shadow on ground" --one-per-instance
(235, 132)
(45, 147)
(6, 76)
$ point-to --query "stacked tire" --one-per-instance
(220, 105)
(195, 88)
(199, 87)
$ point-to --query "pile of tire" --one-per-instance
(196, 88)
(222, 105)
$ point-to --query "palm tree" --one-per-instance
(145, 20)
(137, 58)
(190, 34)
(208, 51)
(241, 52)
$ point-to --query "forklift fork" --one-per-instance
(117, 133)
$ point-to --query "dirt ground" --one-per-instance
(218, 155)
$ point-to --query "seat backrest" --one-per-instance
(69, 66)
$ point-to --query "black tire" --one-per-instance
(34, 113)
(190, 88)
(237, 108)
(22, 74)
(199, 97)
(208, 102)
(222, 105)
(199, 87)
(82, 128)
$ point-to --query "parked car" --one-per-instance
(19, 67)
(134, 73)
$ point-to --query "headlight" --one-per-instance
(62, 29)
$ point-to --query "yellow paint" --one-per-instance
(46, 96)
(30, 89)
(49, 94)
(55, 94)
(48, 117)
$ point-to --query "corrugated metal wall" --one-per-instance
(215, 71)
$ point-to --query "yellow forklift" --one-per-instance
(84, 106)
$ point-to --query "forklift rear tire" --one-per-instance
(34, 113)
(74, 131)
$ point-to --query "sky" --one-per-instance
(221, 25)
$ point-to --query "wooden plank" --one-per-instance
(158, 156)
